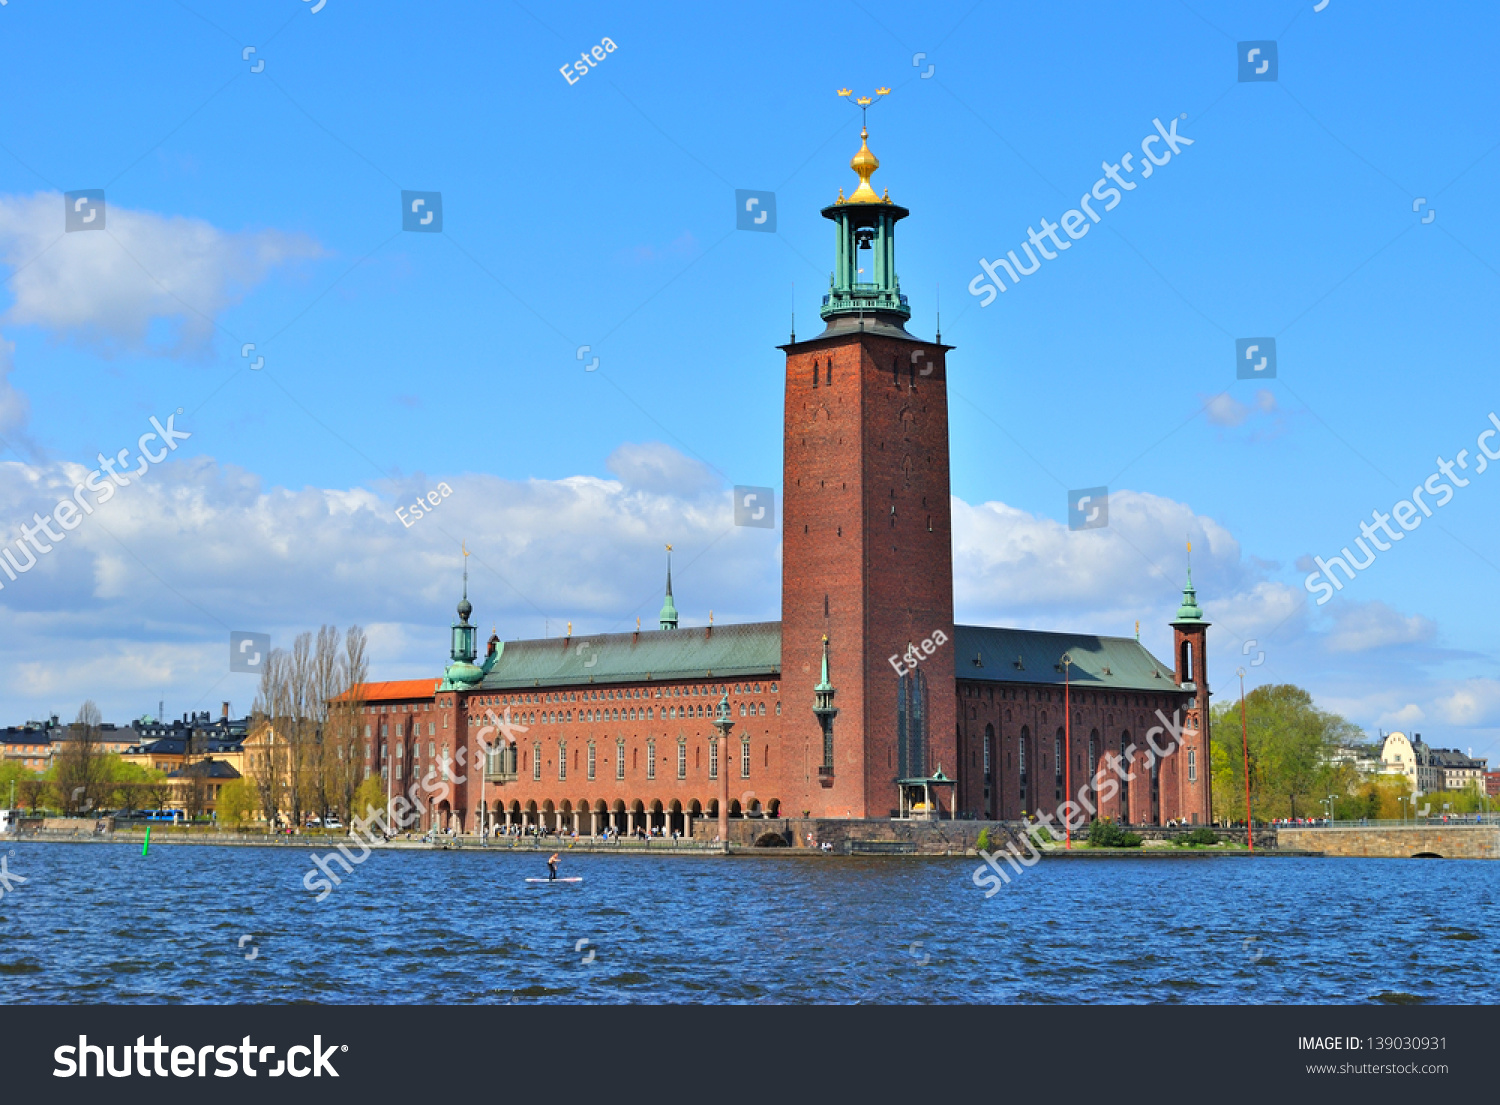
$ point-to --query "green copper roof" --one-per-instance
(1189, 611)
(733, 652)
(1099, 663)
(728, 652)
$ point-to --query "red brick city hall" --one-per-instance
(865, 700)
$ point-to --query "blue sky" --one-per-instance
(263, 207)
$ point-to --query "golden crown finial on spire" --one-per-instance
(864, 162)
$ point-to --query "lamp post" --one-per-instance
(1245, 744)
(1067, 663)
(1402, 799)
(1330, 810)
(723, 723)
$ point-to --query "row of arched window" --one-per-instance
(638, 713)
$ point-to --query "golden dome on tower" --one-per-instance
(864, 163)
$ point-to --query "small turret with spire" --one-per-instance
(668, 614)
(461, 673)
(825, 711)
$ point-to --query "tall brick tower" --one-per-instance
(867, 548)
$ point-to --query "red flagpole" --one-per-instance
(1245, 743)
(1068, 743)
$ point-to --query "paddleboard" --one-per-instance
(574, 879)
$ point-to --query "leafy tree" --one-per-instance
(237, 802)
(124, 782)
(369, 795)
(12, 774)
(1292, 745)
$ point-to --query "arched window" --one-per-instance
(815, 374)
(989, 737)
(1187, 662)
(828, 373)
(911, 724)
(1021, 750)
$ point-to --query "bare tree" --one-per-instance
(194, 795)
(81, 768)
(270, 718)
(345, 722)
(308, 719)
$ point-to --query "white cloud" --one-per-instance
(657, 467)
(105, 289)
(146, 590)
(1473, 702)
(1362, 626)
(149, 586)
(1225, 410)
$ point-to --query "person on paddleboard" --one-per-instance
(552, 868)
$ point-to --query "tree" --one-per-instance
(237, 802)
(344, 725)
(1292, 745)
(78, 777)
(193, 793)
(155, 793)
(369, 797)
(12, 774)
(124, 782)
(31, 792)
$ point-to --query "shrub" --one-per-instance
(1042, 835)
(983, 843)
(1201, 835)
(1104, 833)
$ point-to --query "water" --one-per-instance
(102, 923)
